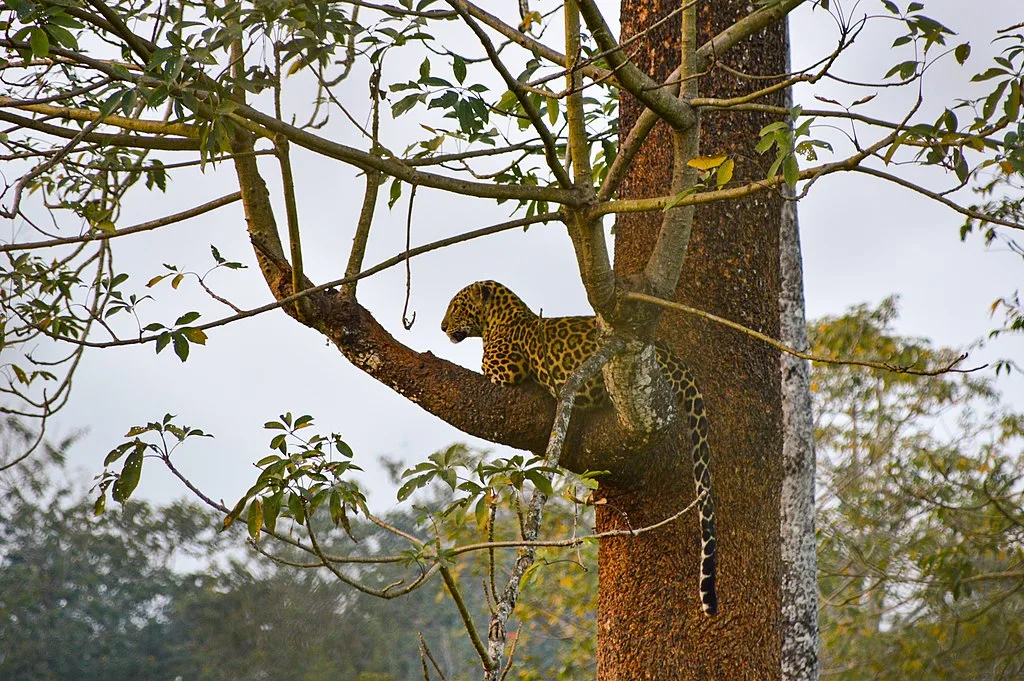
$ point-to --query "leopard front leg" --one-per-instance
(503, 364)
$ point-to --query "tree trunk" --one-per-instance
(800, 640)
(650, 625)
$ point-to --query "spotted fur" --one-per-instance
(520, 345)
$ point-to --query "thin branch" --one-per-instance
(425, 649)
(467, 620)
(887, 366)
(291, 216)
(969, 212)
(355, 258)
(550, 144)
(406, 321)
(534, 46)
(134, 229)
(511, 654)
(397, 168)
(567, 395)
(383, 265)
(531, 528)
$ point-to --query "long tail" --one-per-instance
(701, 451)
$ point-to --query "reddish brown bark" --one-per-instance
(650, 623)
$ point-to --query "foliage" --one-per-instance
(154, 592)
(921, 485)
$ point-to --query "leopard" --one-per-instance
(520, 345)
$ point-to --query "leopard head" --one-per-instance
(466, 313)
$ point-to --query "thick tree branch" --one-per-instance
(666, 260)
(704, 59)
(666, 105)
(396, 168)
(76, 114)
(105, 138)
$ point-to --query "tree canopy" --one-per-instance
(684, 129)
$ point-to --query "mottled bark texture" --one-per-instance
(800, 641)
(799, 547)
(650, 624)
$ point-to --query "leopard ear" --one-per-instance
(485, 293)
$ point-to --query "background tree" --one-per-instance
(706, 83)
(921, 496)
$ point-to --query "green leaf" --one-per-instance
(425, 69)
(459, 68)
(181, 346)
(255, 520)
(295, 507)
(678, 198)
(187, 318)
(766, 143)
(405, 104)
(336, 507)
(197, 336)
(272, 509)
(396, 193)
(541, 482)
(39, 42)
(278, 443)
(162, 340)
(117, 453)
(962, 52)
(724, 173)
(989, 74)
(791, 171)
(101, 503)
(552, 106)
(950, 121)
(129, 478)
(1012, 105)
(235, 512)
(481, 512)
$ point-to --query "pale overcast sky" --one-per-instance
(862, 240)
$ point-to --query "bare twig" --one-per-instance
(134, 229)
(887, 366)
(390, 262)
(406, 321)
(467, 620)
(430, 656)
